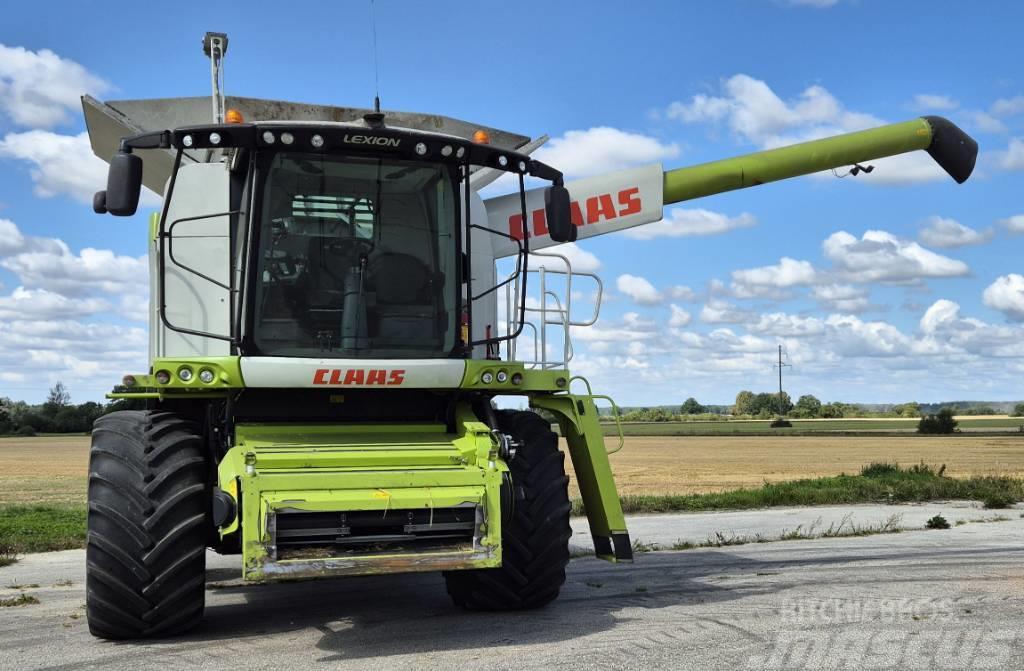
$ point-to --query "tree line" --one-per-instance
(55, 415)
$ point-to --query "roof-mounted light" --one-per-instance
(233, 116)
(481, 137)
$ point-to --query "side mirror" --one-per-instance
(557, 212)
(124, 184)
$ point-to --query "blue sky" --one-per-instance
(928, 306)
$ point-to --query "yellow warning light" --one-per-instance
(233, 116)
(481, 137)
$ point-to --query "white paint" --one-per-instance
(290, 372)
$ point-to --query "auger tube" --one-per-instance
(951, 148)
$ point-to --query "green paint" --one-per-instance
(795, 160)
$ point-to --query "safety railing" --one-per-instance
(548, 317)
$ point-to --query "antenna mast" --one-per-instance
(780, 366)
(215, 46)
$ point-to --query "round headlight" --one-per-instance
(502, 376)
(522, 166)
(129, 381)
(317, 141)
(185, 374)
(517, 378)
(187, 140)
(421, 149)
(206, 376)
(287, 138)
(487, 377)
(503, 161)
(268, 137)
(163, 377)
(214, 138)
(446, 150)
(460, 152)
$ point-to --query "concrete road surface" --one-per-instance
(951, 599)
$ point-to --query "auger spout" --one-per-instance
(634, 197)
(951, 148)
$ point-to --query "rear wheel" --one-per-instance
(148, 519)
(535, 541)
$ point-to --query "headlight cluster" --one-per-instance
(501, 376)
(187, 374)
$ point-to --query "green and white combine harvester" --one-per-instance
(328, 330)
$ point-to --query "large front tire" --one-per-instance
(535, 541)
(148, 519)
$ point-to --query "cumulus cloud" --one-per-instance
(25, 303)
(782, 325)
(717, 311)
(841, 297)
(1006, 294)
(1014, 224)
(949, 233)
(756, 114)
(767, 281)
(679, 317)
(580, 153)
(638, 289)
(580, 259)
(683, 222)
(880, 256)
(39, 89)
(925, 102)
(61, 164)
(1008, 106)
(1012, 158)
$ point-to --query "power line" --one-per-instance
(780, 365)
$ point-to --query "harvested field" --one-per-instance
(52, 469)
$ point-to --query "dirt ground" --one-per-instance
(53, 469)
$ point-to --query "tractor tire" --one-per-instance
(535, 541)
(149, 502)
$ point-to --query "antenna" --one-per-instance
(376, 66)
(215, 46)
(780, 366)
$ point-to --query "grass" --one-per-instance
(20, 600)
(41, 528)
(877, 483)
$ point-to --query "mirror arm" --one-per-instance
(160, 139)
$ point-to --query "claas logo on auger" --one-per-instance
(603, 207)
(359, 376)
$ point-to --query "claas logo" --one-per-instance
(358, 376)
(604, 207)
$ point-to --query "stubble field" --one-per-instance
(52, 470)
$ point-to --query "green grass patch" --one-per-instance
(877, 484)
(20, 600)
(41, 528)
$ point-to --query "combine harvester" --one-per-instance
(326, 342)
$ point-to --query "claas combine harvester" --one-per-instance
(328, 330)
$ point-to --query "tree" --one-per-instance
(744, 403)
(692, 407)
(834, 410)
(940, 422)
(809, 406)
(57, 399)
(911, 409)
(1018, 410)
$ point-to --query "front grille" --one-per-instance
(302, 534)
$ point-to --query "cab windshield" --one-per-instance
(356, 258)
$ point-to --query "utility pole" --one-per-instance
(780, 366)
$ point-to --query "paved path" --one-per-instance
(918, 599)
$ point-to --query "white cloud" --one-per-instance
(62, 164)
(682, 222)
(681, 293)
(933, 102)
(986, 122)
(1012, 158)
(941, 312)
(784, 325)
(1006, 294)
(1008, 106)
(49, 264)
(638, 289)
(580, 153)
(766, 281)
(948, 233)
(679, 317)
(755, 113)
(39, 89)
(841, 297)
(880, 256)
(1014, 224)
(850, 336)
(581, 260)
(25, 303)
(721, 312)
